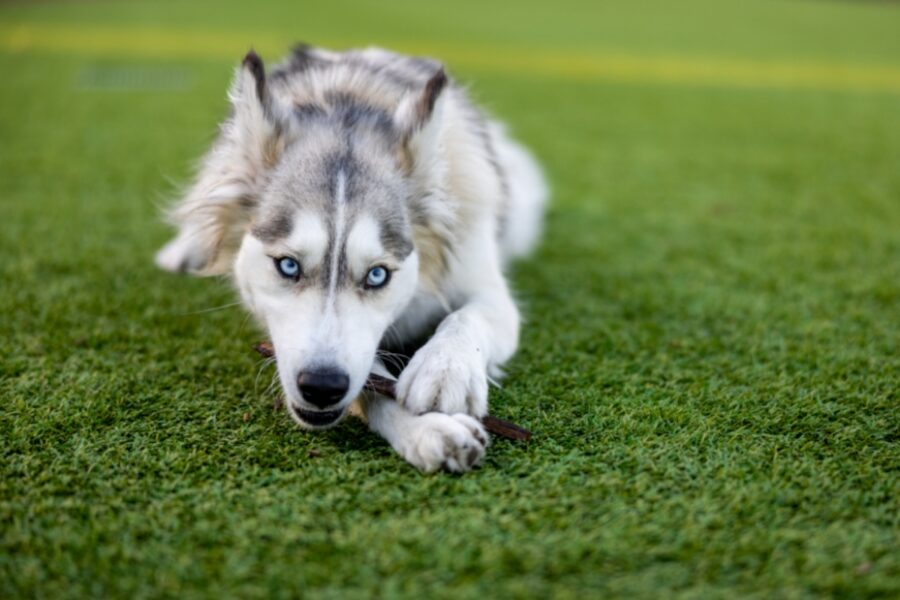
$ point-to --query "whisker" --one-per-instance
(209, 310)
(393, 359)
(393, 334)
(244, 322)
(266, 362)
(273, 384)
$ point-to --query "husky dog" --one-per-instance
(360, 199)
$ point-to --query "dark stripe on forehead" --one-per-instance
(349, 114)
(342, 268)
(325, 267)
(341, 164)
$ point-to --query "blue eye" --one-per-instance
(288, 267)
(377, 277)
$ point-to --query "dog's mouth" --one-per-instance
(318, 418)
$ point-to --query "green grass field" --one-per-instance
(710, 362)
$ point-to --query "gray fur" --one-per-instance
(276, 226)
(330, 112)
(348, 132)
(306, 180)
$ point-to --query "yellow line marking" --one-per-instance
(617, 67)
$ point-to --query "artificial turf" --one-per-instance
(710, 362)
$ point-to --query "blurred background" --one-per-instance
(710, 358)
(631, 105)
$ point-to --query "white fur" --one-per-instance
(431, 441)
(340, 207)
(528, 194)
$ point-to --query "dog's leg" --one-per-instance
(450, 373)
(187, 253)
(431, 441)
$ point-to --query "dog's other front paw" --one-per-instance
(435, 441)
(182, 255)
(445, 378)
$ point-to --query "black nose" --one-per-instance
(323, 388)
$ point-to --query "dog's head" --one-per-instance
(327, 265)
(312, 208)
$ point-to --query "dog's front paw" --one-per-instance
(454, 443)
(182, 255)
(445, 378)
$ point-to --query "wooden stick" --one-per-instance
(387, 388)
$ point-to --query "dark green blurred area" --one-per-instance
(710, 358)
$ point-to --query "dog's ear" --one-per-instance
(214, 214)
(417, 108)
(259, 119)
(418, 118)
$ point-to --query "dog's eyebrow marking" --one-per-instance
(274, 228)
(395, 240)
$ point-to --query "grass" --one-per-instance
(710, 361)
